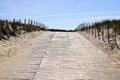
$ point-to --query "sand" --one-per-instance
(15, 51)
(113, 54)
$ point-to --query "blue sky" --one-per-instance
(62, 14)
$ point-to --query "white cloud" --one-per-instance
(75, 14)
(14, 12)
(72, 23)
(89, 19)
(97, 18)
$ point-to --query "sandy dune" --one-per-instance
(14, 52)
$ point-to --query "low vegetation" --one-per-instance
(107, 31)
(15, 28)
(60, 30)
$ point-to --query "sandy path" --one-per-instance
(23, 65)
(14, 52)
(65, 56)
(70, 56)
(94, 63)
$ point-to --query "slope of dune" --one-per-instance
(113, 54)
(14, 52)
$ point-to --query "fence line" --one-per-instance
(17, 27)
(108, 31)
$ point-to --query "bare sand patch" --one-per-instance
(14, 52)
(113, 54)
